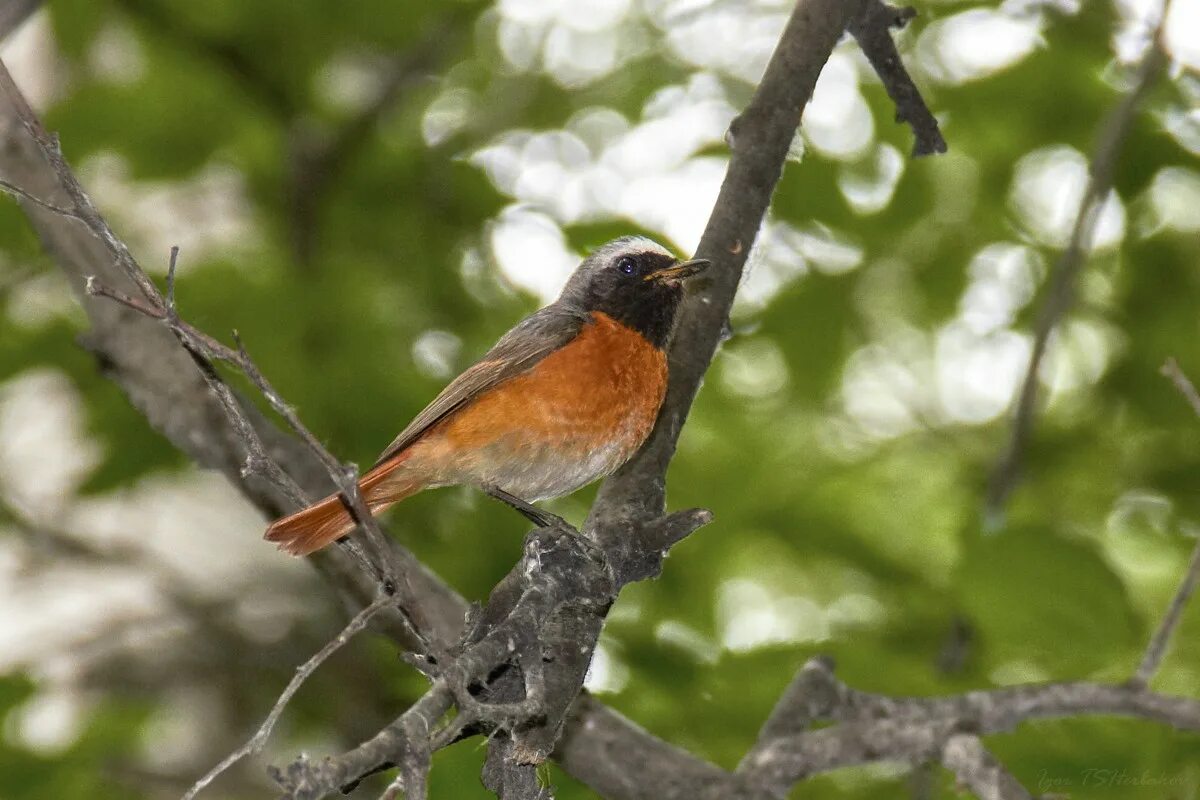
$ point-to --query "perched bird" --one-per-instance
(564, 398)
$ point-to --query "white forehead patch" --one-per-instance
(631, 244)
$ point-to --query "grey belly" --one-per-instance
(540, 473)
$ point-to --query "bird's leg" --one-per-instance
(539, 517)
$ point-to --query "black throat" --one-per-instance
(646, 306)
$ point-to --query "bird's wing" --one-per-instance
(518, 351)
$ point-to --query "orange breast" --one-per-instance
(576, 416)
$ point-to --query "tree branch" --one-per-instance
(872, 30)
(1061, 290)
(527, 702)
(874, 727)
(259, 739)
(978, 770)
(1157, 648)
(14, 13)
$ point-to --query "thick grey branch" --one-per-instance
(14, 13)
(979, 771)
(873, 727)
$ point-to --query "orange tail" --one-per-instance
(326, 521)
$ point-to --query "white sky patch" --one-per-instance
(730, 38)
(32, 57)
(43, 455)
(1047, 189)
(576, 58)
(207, 214)
(750, 616)
(607, 673)
(1182, 34)
(1077, 355)
(884, 385)
(868, 187)
(532, 252)
(573, 48)
(1174, 196)
(774, 263)
(976, 43)
(349, 81)
(59, 608)
(828, 251)
(676, 203)
(50, 721)
(194, 522)
(116, 55)
(754, 368)
(1183, 125)
(978, 376)
(39, 300)
(838, 121)
(446, 115)
(1004, 277)
(436, 353)
(682, 636)
(601, 166)
(1140, 17)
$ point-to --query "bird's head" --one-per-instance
(634, 280)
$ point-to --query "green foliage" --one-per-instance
(835, 532)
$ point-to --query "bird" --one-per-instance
(564, 398)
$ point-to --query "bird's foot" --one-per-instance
(539, 517)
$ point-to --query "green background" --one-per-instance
(834, 533)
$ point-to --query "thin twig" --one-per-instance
(345, 479)
(172, 313)
(1173, 371)
(256, 742)
(1170, 621)
(1157, 648)
(1060, 293)
(203, 347)
(17, 191)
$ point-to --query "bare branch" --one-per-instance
(979, 771)
(810, 697)
(1173, 371)
(873, 727)
(18, 192)
(872, 30)
(1157, 648)
(401, 743)
(1061, 290)
(256, 742)
(14, 13)
(145, 359)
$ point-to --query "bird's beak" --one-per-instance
(677, 272)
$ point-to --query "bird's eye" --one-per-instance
(627, 265)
